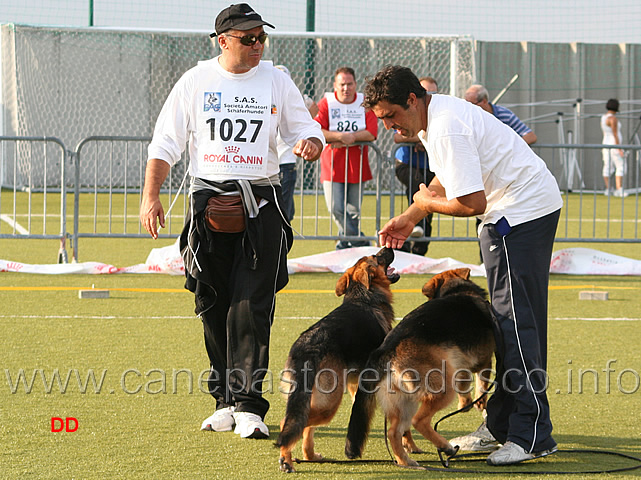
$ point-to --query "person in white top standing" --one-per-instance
(236, 238)
(613, 158)
(483, 168)
(287, 160)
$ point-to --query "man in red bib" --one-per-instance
(344, 169)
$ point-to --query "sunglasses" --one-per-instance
(251, 39)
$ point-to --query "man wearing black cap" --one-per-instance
(236, 238)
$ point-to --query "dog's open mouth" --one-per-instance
(385, 257)
(392, 275)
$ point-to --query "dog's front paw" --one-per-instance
(450, 450)
(413, 449)
(313, 457)
(409, 445)
(285, 466)
(409, 463)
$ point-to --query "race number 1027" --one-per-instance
(237, 129)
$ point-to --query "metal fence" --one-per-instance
(39, 208)
(591, 212)
(106, 202)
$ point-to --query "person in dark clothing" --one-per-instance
(234, 245)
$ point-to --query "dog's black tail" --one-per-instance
(364, 407)
(298, 401)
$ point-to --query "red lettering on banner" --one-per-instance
(14, 266)
(104, 268)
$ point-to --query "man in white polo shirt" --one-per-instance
(236, 237)
(482, 168)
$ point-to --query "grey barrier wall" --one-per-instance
(108, 205)
(570, 82)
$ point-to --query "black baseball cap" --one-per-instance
(238, 17)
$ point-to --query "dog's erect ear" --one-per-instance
(432, 286)
(361, 274)
(430, 289)
(463, 273)
(343, 282)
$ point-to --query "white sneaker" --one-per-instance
(511, 453)
(250, 425)
(417, 232)
(479, 441)
(221, 421)
(620, 193)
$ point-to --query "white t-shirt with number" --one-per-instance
(231, 121)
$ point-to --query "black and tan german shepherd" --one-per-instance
(430, 356)
(329, 356)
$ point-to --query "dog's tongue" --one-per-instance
(392, 275)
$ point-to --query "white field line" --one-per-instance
(14, 225)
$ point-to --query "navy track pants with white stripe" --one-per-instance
(518, 270)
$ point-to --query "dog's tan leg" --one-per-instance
(422, 420)
(408, 443)
(483, 384)
(395, 436)
(308, 445)
(285, 461)
(463, 382)
(464, 400)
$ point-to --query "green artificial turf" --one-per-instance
(146, 347)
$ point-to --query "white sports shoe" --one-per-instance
(250, 425)
(619, 192)
(511, 453)
(417, 232)
(479, 441)
(221, 421)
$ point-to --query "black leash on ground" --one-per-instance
(446, 462)
(470, 457)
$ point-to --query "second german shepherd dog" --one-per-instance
(330, 355)
(430, 356)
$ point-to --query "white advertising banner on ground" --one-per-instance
(585, 261)
(167, 260)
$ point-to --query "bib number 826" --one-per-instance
(347, 126)
(237, 129)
